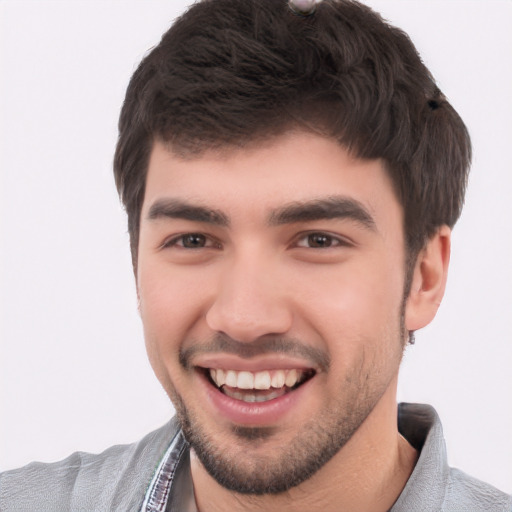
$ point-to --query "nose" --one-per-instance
(250, 302)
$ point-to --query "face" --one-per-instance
(271, 291)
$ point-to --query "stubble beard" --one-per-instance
(316, 443)
(279, 469)
(244, 467)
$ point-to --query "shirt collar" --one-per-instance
(425, 490)
(172, 488)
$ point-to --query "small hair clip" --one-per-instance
(302, 7)
(436, 100)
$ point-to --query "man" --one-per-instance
(291, 175)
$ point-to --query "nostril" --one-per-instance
(249, 325)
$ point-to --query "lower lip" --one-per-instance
(254, 413)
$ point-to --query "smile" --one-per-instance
(261, 386)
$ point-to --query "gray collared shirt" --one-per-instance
(153, 475)
(433, 485)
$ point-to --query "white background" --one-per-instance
(73, 370)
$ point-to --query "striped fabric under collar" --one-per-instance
(171, 488)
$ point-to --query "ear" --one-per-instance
(138, 297)
(428, 280)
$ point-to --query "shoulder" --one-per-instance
(433, 485)
(115, 479)
(465, 492)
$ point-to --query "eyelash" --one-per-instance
(332, 240)
(174, 241)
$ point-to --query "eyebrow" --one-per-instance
(332, 207)
(178, 209)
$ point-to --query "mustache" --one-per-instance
(267, 345)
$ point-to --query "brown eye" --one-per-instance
(319, 240)
(193, 241)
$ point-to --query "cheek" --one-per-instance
(170, 306)
(169, 310)
(355, 294)
(355, 311)
(169, 294)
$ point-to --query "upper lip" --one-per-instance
(254, 364)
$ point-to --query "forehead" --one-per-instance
(294, 167)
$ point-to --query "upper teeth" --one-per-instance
(256, 380)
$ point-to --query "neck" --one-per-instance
(367, 474)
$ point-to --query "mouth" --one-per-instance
(260, 386)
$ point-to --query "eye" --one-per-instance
(319, 240)
(193, 241)
(190, 241)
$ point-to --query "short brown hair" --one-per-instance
(232, 72)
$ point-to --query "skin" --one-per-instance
(253, 279)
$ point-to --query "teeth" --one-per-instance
(220, 377)
(245, 380)
(278, 379)
(258, 380)
(231, 378)
(291, 378)
(252, 397)
(262, 380)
